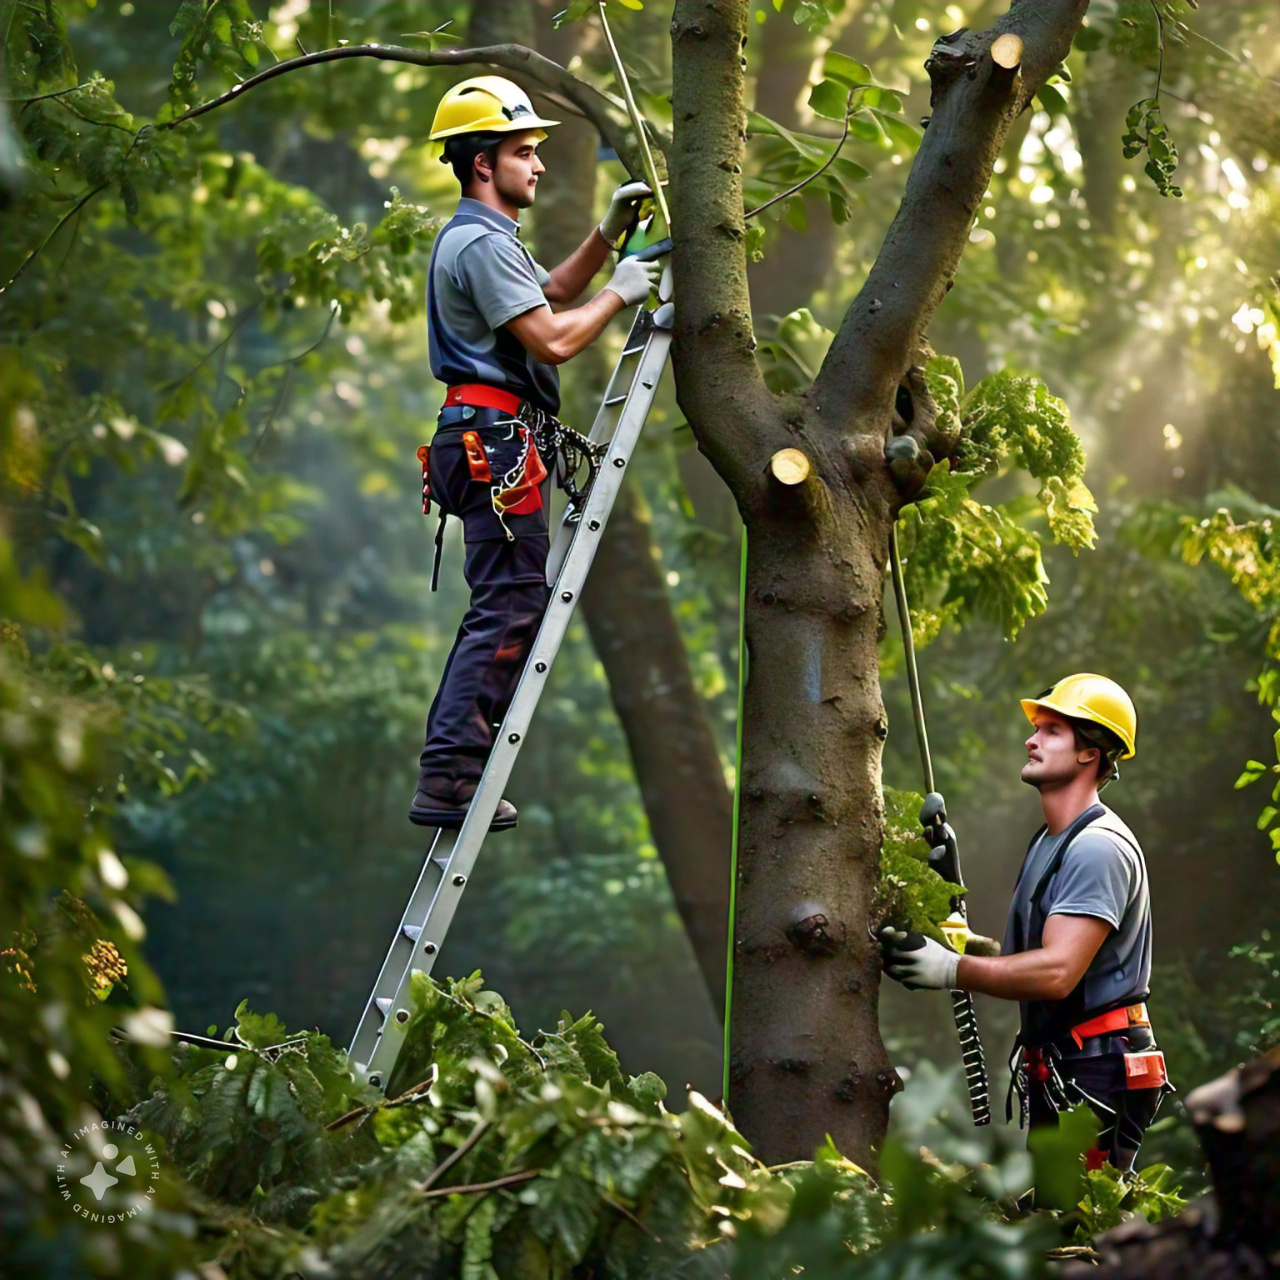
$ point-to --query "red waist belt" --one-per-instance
(1134, 1015)
(483, 397)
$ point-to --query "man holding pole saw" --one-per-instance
(1077, 948)
(495, 339)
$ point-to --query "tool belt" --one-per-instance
(517, 491)
(1037, 1065)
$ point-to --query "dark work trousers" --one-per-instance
(509, 595)
(1124, 1114)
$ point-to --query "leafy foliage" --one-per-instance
(1146, 131)
(1248, 553)
(1110, 1197)
(964, 557)
(909, 891)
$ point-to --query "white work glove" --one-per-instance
(632, 280)
(917, 962)
(622, 204)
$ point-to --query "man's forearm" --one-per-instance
(554, 337)
(574, 274)
(1028, 975)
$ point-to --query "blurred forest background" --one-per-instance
(214, 381)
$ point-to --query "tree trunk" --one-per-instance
(806, 1056)
(1237, 1118)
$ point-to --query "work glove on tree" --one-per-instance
(917, 962)
(622, 204)
(632, 280)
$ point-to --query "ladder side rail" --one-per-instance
(400, 953)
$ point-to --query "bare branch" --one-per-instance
(552, 78)
(975, 100)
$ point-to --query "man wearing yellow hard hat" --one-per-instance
(494, 341)
(1077, 948)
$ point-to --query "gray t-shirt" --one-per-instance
(481, 277)
(1102, 875)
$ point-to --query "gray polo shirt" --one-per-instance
(481, 277)
(1103, 875)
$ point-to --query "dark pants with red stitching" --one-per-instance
(509, 595)
(1124, 1115)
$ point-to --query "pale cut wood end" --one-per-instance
(789, 466)
(1006, 51)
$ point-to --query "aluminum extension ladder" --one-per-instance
(452, 855)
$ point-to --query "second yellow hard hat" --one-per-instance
(1085, 696)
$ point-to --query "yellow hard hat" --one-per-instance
(1085, 696)
(486, 104)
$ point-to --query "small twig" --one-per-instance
(298, 41)
(817, 173)
(631, 1217)
(1155, 8)
(62, 222)
(56, 93)
(244, 319)
(383, 1104)
(286, 385)
(104, 124)
(470, 1141)
(473, 1188)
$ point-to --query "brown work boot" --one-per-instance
(443, 802)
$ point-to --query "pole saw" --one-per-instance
(944, 858)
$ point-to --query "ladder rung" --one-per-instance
(442, 862)
(411, 931)
(612, 400)
(384, 1005)
(632, 351)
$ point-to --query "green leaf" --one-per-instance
(829, 99)
(1252, 772)
(1052, 100)
(845, 70)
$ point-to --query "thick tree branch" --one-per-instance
(554, 80)
(718, 383)
(975, 101)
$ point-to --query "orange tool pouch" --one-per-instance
(525, 496)
(424, 456)
(477, 459)
(1145, 1070)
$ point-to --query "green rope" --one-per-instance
(737, 798)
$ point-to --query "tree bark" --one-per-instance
(806, 1055)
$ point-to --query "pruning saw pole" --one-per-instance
(944, 857)
(637, 123)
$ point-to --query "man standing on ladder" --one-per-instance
(1077, 948)
(495, 342)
